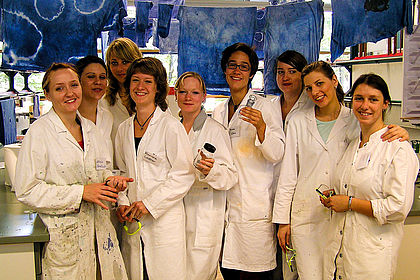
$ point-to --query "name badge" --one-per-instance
(100, 164)
(151, 157)
(234, 132)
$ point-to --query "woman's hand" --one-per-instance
(118, 182)
(254, 117)
(338, 203)
(283, 234)
(99, 191)
(395, 132)
(136, 210)
(205, 165)
(120, 211)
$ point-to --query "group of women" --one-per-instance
(113, 151)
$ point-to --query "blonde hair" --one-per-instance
(190, 74)
(124, 49)
(54, 67)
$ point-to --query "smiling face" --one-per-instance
(289, 80)
(236, 78)
(368, 105)
(119, 68)
(93, 81)
(320, 89)
(143, 89)
(65, 91)
(190, 96)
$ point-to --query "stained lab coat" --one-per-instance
(249, 241)
(362, 247)
(163, 173)
(205, 203)
(53, 172)
(303, 103)
(308, 162)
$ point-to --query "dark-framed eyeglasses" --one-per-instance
(243, 67)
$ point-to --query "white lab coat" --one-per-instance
(119, 114)
(163, 173)
(308, 162)
(362, 247)
(205, 203)
(303, 103)
(53, 170)
(104, 122)
(249, 241)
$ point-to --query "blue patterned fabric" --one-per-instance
(164, 19)
(259, 33)
(360, 21)
(291, 26)
(142, 21)
(168, 45)
(37, 33)
(205, 33)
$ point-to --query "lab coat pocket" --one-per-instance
(256, 204)
(169, 229)
(300, 218)
(154, 165)
(207, 228)
(63, 247)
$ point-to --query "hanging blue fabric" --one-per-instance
(154, 13)
(292, 26)
(168, 45)
(164, 19)
(37, 33)
(259, 34)
(142, 20)
(205, 33)
(360, 21)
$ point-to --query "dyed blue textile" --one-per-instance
(142, 21)
(37, 33)
(259, 34)
(168, 45)
(205, 33)
(164, 19)
(154, 13)
(7, 121)
(291, 26)
(360, 21)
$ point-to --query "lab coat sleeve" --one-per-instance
(180, 177)
(223, 175)
(32, 188)
(398, 188)
(120, 161)
(272, 147)
(289, 169)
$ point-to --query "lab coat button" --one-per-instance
(345, 186)
(339, 277)
(341, 255)
(326, 172)
(341, 232)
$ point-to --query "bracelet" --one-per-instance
(350, 198)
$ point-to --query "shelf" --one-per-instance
(370, 60)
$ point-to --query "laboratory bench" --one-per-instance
(22, 235)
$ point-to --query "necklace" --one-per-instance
(148, 118)
(235, 107)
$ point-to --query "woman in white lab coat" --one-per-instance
(93, 79)
(288, 69)
(374, 187)
(258, 143)
(316, 140)
(205, 203)
(63, 168)
(119, 56)
(152, 147)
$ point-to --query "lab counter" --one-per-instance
(22, 234)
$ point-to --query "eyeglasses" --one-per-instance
(322, 188)
(137, 230)
(290, 257)
(242, 67)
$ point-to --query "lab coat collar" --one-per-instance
(156, 116)
(200, 120)
(375, 138)
(337, 129)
